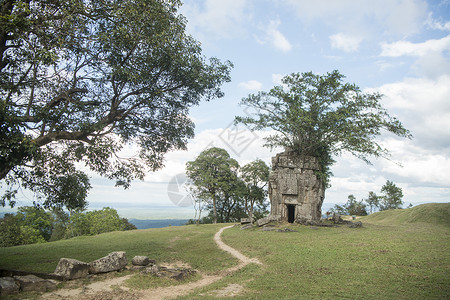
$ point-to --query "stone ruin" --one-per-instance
(296, 193)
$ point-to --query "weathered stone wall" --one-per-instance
(293, 182)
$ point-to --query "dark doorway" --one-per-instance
(291, 213)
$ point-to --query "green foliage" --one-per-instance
(373, 201)
(228, 195)
(321, 116)
(35, 225)
(392, 197)
(80, 79)
(255, 176)
(351, 207)
(214, 173)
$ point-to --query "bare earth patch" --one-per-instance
(114, 289)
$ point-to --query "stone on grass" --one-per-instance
(247, 226)
(8, 286)
(245, 221)
(140, 261)
(355, 224)
(32, 283)
(70, 268)
(114, 261)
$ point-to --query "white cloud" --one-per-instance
(220, 19)
(405, 48)
(276, 79)
(252, 85)
(274, 37)
(345, 42)
(390, 17)
(437, 24)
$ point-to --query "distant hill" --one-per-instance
(433, 213)
(145, 224)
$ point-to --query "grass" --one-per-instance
(392, 257)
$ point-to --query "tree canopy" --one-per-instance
(322, 116)
(79, 79)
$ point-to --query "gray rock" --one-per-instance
(267, 220)
(151, 270)
(32, 283)
(356, 224)
(140, 261)
(70, 268)
(114, 261)
(245, 221)
(247, 226)
(8, 286)
(286, 230)
(268, 228)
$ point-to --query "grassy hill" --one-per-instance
(401, 254)
(432, 213)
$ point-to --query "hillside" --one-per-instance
(381, 260)
(432, 213)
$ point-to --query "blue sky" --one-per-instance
(398, 48)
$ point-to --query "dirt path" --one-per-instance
(104, 289)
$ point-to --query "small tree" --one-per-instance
(392, 198)
(211, 172)
(255, 176)
(373, 201)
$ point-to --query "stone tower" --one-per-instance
(295, 192)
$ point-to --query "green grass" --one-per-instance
(191, 244)
(394, 256)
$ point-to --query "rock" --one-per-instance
(140, 261)
(247, 226)
(151, 270)
(355, 225)
(32, 283)
(8, 286)
(70, 268)
(245, 221)
(114, 261)
(268, 228)
(286, 230)
(337, 219)
(268, 219)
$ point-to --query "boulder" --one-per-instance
(355, 224)
(114, 261)
(8, 286)
(140, 261)
(268, 219)
(70, 268)
(247, 226)
(32, 283)
(245, 221)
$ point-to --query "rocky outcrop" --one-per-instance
(32, 283)
(69, 268)
(8, 286)
(114, 261)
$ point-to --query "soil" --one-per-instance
(113, 288)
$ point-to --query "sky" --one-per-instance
(399, 48)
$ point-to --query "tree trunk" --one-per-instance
(215, 209)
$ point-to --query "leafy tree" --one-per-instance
(373, 201)
(321, 116)
(79, 79)
(392, 198)
(255, 176)
(213, 172)
(37, 221)
(355, 207)
(10, 232)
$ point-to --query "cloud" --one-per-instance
(252, 85)
(388, 17)
(431, 56)
(437, 23)
(274, 37)
(345, 42)
(276, 78)
(405, 48)
(220, 19)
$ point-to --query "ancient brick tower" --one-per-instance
(295, 192)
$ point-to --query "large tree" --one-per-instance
(214, 173)
(79, 79)
(322, 116)
(255, 174)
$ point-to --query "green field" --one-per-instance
(401, 254)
